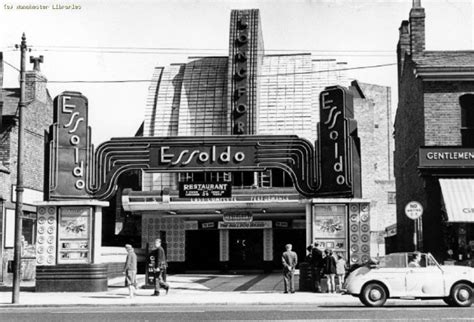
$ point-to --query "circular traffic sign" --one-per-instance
(413, 210)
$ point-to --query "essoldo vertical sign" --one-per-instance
(336, 112)
(69, 147)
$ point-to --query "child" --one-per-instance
(340, 270)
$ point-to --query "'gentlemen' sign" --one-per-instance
(446, 157)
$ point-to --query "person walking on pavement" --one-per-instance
(340, 270)
(289, 260)
(329, 269)
(159, 269)
(316, 266)
(130, 271)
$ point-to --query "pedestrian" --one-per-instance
(159, 269)
(309, 256)
(329, 270)
(340, 270)
(130, 271)
(316, 266)
(289, 260)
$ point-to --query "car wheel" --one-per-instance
(461, 295)
(373, 294)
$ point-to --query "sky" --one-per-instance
(117, 40)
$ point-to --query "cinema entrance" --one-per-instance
(245, 249)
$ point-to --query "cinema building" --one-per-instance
(434, 144)
(212, 220)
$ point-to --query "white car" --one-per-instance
(398, 276)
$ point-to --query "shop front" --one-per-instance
(450, 205)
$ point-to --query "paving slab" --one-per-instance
(188, 289)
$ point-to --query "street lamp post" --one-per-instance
(19, 181)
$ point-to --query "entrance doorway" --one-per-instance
(295, 237)
(246, 249)
(202, 249)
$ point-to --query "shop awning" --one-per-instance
(458, 195)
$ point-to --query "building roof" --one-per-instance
(11, 97)
(457, 58)
(445, 65)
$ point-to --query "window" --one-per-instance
(392, 197)
(243, 179)
(281, 179)
(467, 120)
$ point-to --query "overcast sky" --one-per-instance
(73, 42)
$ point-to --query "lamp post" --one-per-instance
(19, 180)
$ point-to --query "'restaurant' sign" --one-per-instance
(205, 189)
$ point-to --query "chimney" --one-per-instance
(417, 29)
(403, 46)
(36, 82)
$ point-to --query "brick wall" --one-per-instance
(373, 115)
(409, 136)
(38, 115)
(443, 111)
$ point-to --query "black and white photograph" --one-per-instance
(173, 160)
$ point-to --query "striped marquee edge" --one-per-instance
(294, 155)
(75, 171)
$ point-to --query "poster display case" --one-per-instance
(330, 227)
(74, 238)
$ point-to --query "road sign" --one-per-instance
(413, 210)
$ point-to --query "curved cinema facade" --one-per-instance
(244, 220)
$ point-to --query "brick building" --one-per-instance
(434, 143)
(194, 99)
(37, 117)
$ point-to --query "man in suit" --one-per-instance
(289, 260)
(316, 266)
(159, 269)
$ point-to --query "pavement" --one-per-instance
(190, 289)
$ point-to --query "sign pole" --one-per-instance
(414, 210)
(19, 180)
(415, 234)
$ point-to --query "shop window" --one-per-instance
(29, 228)
(467, 120)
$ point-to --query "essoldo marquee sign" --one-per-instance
(75, 170)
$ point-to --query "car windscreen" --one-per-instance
(393, 261)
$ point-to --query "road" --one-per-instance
(237, 312)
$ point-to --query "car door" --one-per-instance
(424, 281)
